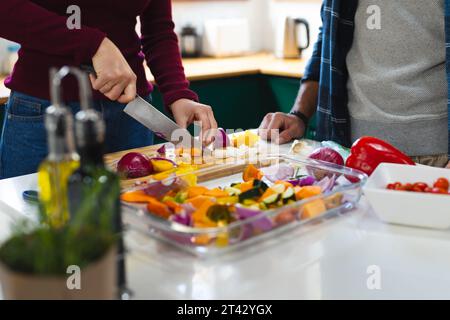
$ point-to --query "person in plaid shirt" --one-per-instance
(379, 68)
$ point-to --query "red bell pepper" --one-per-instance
(368, 152)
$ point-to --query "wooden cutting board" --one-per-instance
(223, 166)
(209, 167)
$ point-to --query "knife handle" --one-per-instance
(88, 69)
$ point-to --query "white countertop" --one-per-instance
(327, 261)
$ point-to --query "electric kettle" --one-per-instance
(289, 41)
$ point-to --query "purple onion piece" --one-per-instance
(221, 139)
(279, 172)
(303, 182)
(161, 188)
(327, 184)
(263, 224)
(162, 150)
(157, 189)
(183, 218)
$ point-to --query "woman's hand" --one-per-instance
(115, 79)
(448, 165)
(186, 111)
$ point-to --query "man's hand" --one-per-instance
(290, 127)
(115, 79)
(186, 111)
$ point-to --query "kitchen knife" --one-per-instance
(159, 123)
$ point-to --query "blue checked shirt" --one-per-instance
(328, 66)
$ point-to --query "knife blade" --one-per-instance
(161, 125)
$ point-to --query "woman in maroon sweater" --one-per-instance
(107, 39)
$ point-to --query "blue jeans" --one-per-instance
(23, 143)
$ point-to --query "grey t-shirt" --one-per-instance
(397, 78)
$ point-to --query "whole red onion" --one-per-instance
(327, 155)
(134, 165)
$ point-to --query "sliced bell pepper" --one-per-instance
(368, 152)
(252, 173)
(198, 201)
(308, 192)
(162, 165)
(138, 196)
(195, 191)
(201, 214)
(246, 186)
(174, 206)
(164, 175)
(228, 200)
(159, 209)
(216, 193)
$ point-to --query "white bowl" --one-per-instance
(408, 208)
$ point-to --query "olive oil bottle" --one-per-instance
(62, 160)
(94, 191)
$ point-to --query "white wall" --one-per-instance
(277, 11)
(196, 12)
(264, 16)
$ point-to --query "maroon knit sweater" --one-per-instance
(40, 26)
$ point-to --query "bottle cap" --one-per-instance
(89, 127)
(59, 126)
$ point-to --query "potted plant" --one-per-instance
(75, 261)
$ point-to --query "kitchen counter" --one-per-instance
(262, 63)
(213, 68)
(334, 260)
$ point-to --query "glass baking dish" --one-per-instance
(267, 224)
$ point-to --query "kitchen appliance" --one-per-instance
(160, 124)
(190, 42)
(226, 37)
(289, 42)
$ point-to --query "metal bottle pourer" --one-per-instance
(59, 118)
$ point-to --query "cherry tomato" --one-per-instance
(420, 185)
(438, 191)
(408, 186)
(441, 183)
(441, 186)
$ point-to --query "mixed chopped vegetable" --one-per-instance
(181, 200)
